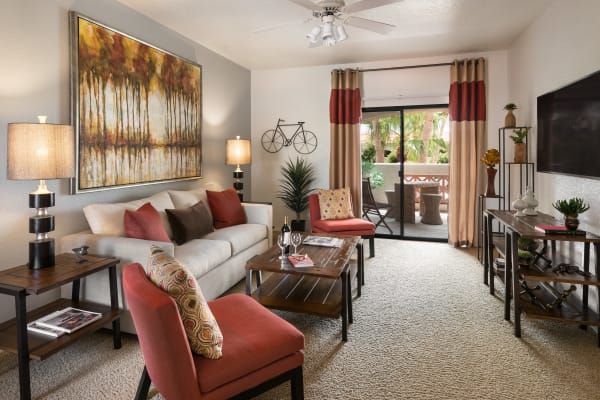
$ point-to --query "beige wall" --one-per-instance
(302, 94)
(34, 80)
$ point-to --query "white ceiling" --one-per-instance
(423, 28)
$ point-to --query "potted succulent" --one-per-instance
(490, 158)
(294, 188)
(510, 121)
(520, 146)
(571, 208)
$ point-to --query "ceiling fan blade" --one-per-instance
(306, 4)
(370, 25)
(365, 5)
(281, 25)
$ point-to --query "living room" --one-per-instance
(556, 48)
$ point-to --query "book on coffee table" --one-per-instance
(325, 241)
(301, 260)
(69, 319)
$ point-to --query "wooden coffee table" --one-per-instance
(323, 290)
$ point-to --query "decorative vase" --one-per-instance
(571, 222)
(531, 201)
(520, 152)
(510, 121)
(519, 205)
(491, 177)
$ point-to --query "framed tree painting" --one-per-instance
(137, 110)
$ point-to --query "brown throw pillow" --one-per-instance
(189, 223)
(200, 326)
(145, 223)
(226, 208)
(335, 203)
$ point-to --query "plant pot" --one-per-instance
(491, 176)
(298, 225)
(510, 121)
(571, 222)
(520, 152)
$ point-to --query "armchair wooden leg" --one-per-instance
(297, 384)
(372, 246)
(143, 386)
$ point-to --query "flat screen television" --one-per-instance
(568, 133)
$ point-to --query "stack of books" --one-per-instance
(558, 230)
(301, 260)
(63, 321)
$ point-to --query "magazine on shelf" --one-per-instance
(301, 260)
(558, 230)
(325, 241)
(69, 319)
(44, 330)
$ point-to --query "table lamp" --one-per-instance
(238, 153)
(40, 151)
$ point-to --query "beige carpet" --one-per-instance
(425, 328)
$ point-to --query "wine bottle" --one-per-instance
(286, 232)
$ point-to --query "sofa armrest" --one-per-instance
(128, 250)
(260, 213)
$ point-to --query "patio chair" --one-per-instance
(371, 207)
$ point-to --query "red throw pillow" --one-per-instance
(145, 223)
(226, 208)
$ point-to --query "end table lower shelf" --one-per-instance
(42, 346)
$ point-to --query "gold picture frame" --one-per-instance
(137, 110)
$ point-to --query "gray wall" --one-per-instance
(34, 80)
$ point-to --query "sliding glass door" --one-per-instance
(404, 153)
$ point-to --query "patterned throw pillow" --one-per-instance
(202, 330)
(335, 203)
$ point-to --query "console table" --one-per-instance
(22, 281)
(538, 272)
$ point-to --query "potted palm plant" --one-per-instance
(571, 208)
(294, 188)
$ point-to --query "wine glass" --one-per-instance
(296, 240)
(281, 243)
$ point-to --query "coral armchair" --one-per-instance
(260, 350)
(349, 227)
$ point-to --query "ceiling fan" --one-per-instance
(334, 14)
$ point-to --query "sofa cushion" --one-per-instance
(335, 203)
(201, 255)
(187, 198)
(107, 218)
(145, 223)
(200, 325)
(189, 223)
(240, 237)
(226, 208)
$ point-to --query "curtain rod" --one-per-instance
(405, 67)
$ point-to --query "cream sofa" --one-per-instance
(217, 260)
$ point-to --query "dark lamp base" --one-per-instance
(41, 254)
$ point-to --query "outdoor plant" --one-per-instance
(296, 185)
(490, 158)
(571, 207)
(510, 106)
(520, 135)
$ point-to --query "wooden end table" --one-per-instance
(21, 281)
(324, 289)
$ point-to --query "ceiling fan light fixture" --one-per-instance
(328, 31)
(313, 35)
(341, 33)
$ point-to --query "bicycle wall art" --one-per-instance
(273, 140)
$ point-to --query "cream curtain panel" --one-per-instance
(467, 108)
(344, 116)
